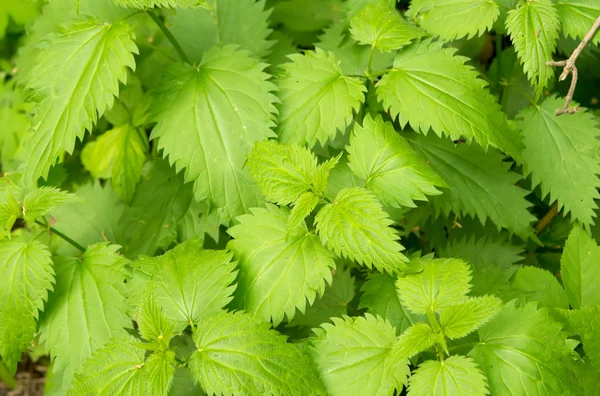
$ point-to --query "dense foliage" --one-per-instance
(300, 197)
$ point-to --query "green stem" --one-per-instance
(63, 236)
(169, 36)
(370, 62)
(499, 56)
(6, 377)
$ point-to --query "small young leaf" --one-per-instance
(277, 274)
(160, 369)
(534, 27)
(304, 206)
(416, 339)
(239, 355)
(381, 26)
(152, 321)
(354, 225)
(580, 271)
(456, 375)
(442, 283)
(39, 202)
(461, 319)
(351, 356)
(392, 169)
(316, 99)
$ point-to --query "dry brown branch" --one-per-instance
(570, 68)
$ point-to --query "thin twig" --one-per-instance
(63, 236)
(570, 68)
(547, 218)
(169, 35)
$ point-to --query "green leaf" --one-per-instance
(26, 276)
(75, 80)
(160, 370)
(317, 100)
(190, 282)
(351, 356)
(277, 274)
(303, 207)
(355, 225)
(456, 375)
(461, 319)
(238, 354)
(283, 172)
(577, 17)
(442, 283)
(87, 307)
(380, 298)
(40, 201)
(454, 19)
(430, 87)
(586, 323)
(522, 351)
(563, 162)
(536, 284)
(481, 184)
(416, 339)
(579, 269)
(491, 261)
(244, 23)
(152, 322)
(119, 155)
(144, 4)
(392, 169)
(187, 97)
(533, 27)
(381, 26)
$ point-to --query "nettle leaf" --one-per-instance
(416, 339)
(152, 322)
(352, 357)
(523, 351)
(381, 26)
(303, 207)
(216, 142)
(586, 323)
(461, 319)
(430, 87)
(277, 274)
(456, 375)
(317, 100)
(160, 370)
(391, 167)
(355, 225)
(579, 270)
(536, 284)
(87, 307)
(40, 201)
(282, 171)
(454, 19)
(481, 184)
(534, 27)
(441, 283)
(75, 80)
(26, 276)
(577, 16)
(144, 4)
(119, 155)
(380, 298)
(563, 162)
(238, 354)
(190, 282)
(244, 23)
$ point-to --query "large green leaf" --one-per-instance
(352, 357)
(355, 225)
(430, 87)
(564, 163)
(219, 109)
(75, 80)
(277, 274)
(390, 166)
(87, 307)
(239, 355)
(317, 100)
(481, 185)
(580, 271)
(26, 275)
(190, 282)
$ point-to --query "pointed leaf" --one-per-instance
(304, 206)
(580, 271)
(416, 339)
(461, 319)
(577, 17)
(39, 202)
(152, 321)
(536, 284)
(160, 369)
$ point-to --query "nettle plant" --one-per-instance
(300, 197)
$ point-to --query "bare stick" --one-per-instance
(569, 68)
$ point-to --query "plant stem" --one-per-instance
(63, 236)
(169, 36)
(6, 377)
(499, 56)
(547, 218)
